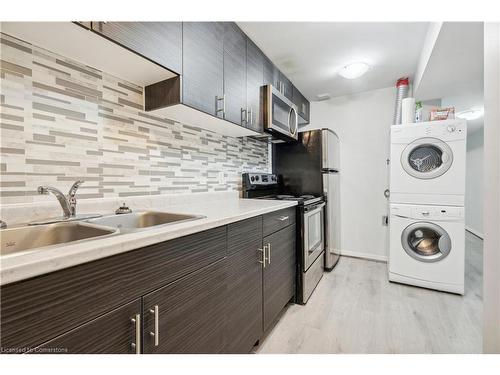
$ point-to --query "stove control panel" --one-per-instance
(259, 179)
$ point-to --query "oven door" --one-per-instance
(313, 229)
(280, 115)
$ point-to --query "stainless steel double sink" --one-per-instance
(28, 238)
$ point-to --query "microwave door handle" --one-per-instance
(293, 112)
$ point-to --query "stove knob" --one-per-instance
(252, 178)
(256, 178)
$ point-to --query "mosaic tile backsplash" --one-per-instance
(62, 121)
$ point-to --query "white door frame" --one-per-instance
(491, 250)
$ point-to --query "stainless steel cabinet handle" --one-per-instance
(137, 344)
(268, 253)
(263, 261)
(251, 116)
(223, 109)
(283, 218)
(244, 115)
(156, 334)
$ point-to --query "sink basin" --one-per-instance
(27, 238)
(142, 220)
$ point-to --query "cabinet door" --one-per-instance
(160, 42)
(286, 86)
(271, 74)
(111, 333)
(255, 80)
(202, 80)
(244, 283)
(189, 313)
(235, 84)
(302, 105)
(279, 274)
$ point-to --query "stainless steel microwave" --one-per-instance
(280, 115)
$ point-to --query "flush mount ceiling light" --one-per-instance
(354, 70)
(471, 114)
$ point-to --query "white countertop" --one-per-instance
(218, 212)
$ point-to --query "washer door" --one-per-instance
(426, 242)
(427, 158)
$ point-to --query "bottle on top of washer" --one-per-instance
(418, 111)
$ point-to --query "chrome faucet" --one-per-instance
(68, 203)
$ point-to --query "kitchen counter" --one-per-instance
(219, 211)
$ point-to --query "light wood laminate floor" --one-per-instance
(355, 309)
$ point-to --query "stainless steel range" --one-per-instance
(310, 228)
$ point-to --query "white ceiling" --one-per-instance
(311, 53)
(456, 63)
(455, 70)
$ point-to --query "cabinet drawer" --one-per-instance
(277, 220)
(112, 333)
(38, 309)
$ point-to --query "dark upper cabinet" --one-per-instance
(273, 76)
(160, 42)
(111, 333)
(286, 86)
(255, 80)
(235, 80)
(244, 293)
(203, 66)
(302, 106)
(279, 274)
(187, 316)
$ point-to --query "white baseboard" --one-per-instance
(369, 256)
(474, 232)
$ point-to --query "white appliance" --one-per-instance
(428, 163)
(427, 246)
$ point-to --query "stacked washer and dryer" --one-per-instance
(427, 189)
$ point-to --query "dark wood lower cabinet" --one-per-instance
(36, 310)
(279, 274)
(112, 333)
(210, 292)
(190, 314)
(244, 294)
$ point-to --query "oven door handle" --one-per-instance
(316, 209)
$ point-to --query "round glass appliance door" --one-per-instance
(426, 242)
(427, 158)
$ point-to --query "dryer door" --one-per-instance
(426, 242)
(427, 158)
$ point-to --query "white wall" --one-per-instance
(362, 122)
(491, 249)
(475, 147)
(474, 183)
(429, 43)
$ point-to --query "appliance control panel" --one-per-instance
(446, 130)
(260, 179)
(437, 213)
